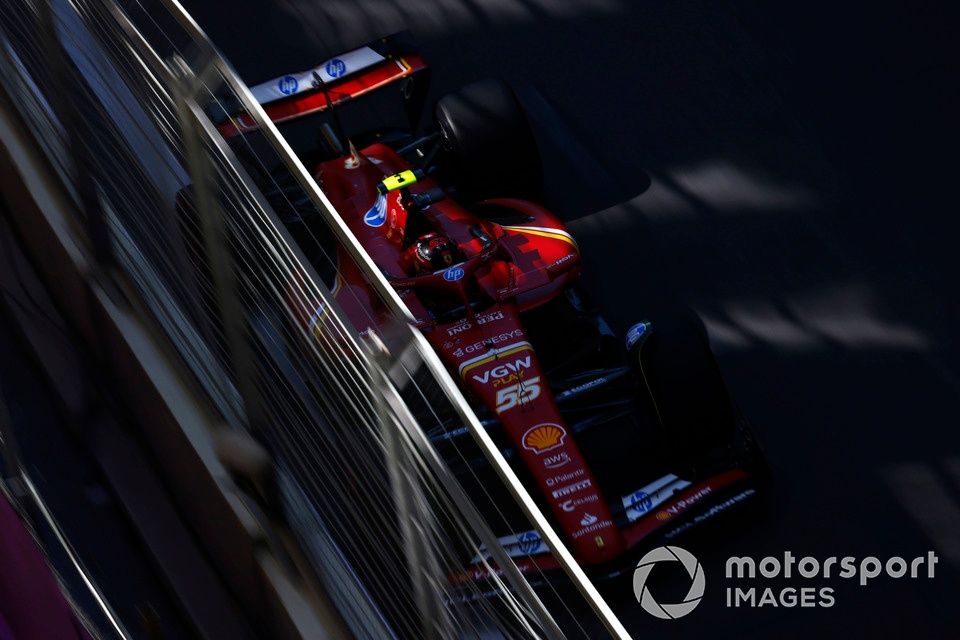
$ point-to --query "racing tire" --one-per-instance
(685, 386)
(489, 142)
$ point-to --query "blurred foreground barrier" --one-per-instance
(297, 451)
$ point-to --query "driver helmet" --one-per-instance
(431, 252)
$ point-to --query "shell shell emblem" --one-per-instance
(544, 437)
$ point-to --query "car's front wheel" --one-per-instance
(682, 382)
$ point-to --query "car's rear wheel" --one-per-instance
(489, 142)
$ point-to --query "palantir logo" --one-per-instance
(646, 599)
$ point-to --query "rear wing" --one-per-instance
(345, 77)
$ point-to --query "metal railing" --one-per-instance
(119, 97)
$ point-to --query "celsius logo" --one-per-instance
(694, 570)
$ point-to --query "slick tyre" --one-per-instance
(489, 141)
(683, 381)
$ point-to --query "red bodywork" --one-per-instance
(470, 313)
(487, 348)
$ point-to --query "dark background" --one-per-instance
(803, 165)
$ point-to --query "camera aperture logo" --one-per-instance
(694, 594)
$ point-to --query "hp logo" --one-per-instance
(336, 68)
(288, 85)
(453, 274)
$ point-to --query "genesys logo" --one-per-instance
(483, 346)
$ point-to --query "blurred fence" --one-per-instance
(119, 97)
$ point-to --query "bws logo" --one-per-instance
(503, 370)
(544, 437)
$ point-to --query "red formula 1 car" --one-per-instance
(622, 437)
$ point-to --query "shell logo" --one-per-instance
(544, 437)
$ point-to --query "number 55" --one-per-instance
(509, 397)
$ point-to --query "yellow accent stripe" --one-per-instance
(336, 286)
(558, 235)
(320, 315)
(468, 366)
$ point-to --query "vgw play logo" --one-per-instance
(662, 555)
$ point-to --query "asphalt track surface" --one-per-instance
(802, 166)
